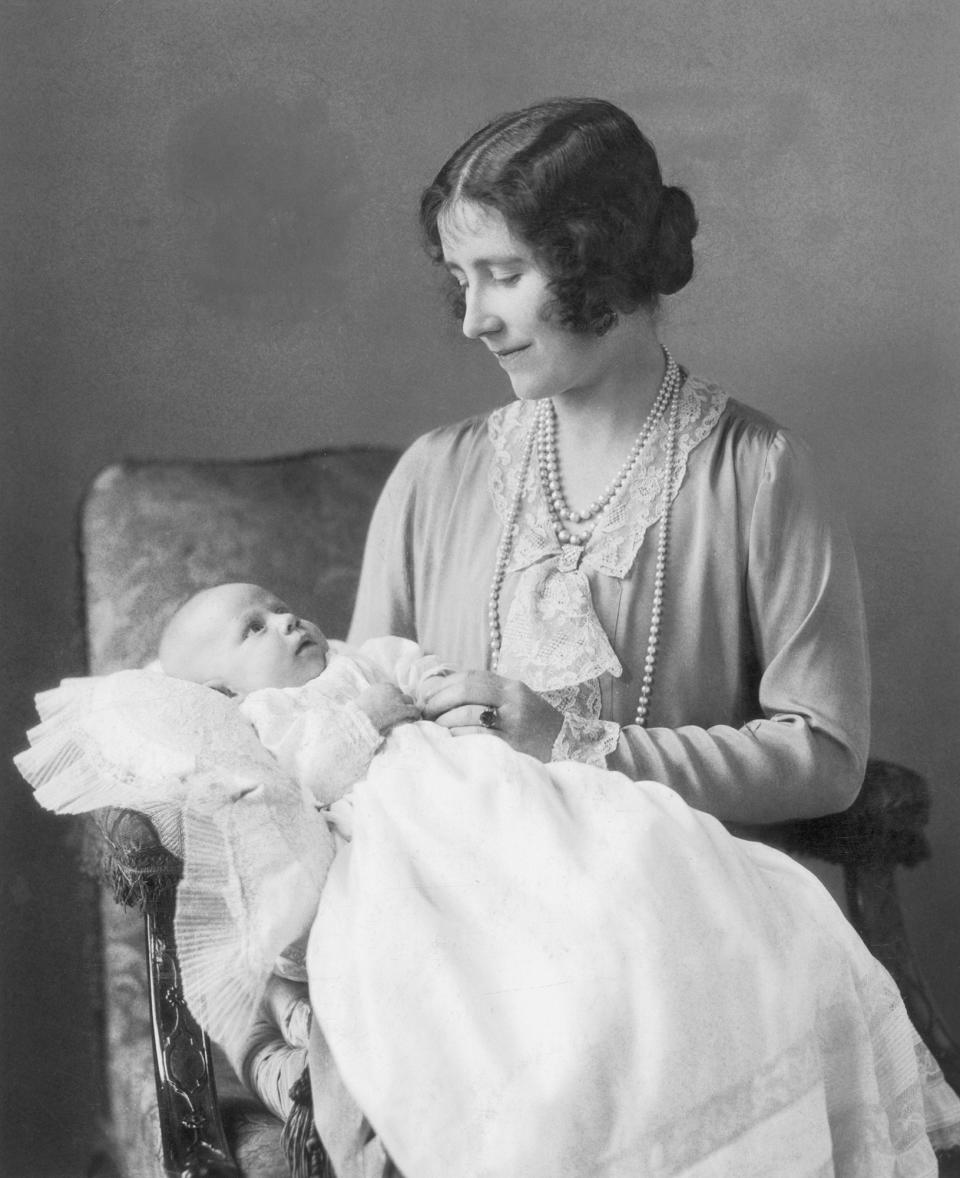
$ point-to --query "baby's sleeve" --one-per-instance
(324, 745)
(404, 663)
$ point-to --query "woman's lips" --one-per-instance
(509, 354)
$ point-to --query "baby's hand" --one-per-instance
(289, 1006)
(387, 706)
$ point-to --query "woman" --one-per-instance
(640, 574)
(638, 571)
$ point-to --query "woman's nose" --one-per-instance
(478, 318)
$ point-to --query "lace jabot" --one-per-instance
(552, 639)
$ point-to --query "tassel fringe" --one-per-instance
(141, 886)
(301, 1143)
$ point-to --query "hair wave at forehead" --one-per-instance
(578, 182)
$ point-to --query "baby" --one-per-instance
(322, 708)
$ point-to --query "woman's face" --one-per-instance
(507, 297)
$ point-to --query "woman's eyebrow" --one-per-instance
(505, 260)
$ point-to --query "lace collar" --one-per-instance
(614, 545)
(552, 638)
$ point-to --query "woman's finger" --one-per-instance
(474, 716)
(460, 690)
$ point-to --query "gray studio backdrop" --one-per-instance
(210, 250)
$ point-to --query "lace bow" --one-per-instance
(552, 637)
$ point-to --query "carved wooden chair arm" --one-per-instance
(884, 829)
(885, 826)
(145, 875)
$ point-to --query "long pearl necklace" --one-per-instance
(562, 515)
(660, 568)
(504, 549)
(542, 437)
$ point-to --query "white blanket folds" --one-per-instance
(555, 972)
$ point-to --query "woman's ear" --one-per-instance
(219, 685)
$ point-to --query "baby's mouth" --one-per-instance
(304, 642)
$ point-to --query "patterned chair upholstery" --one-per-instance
(153, 532)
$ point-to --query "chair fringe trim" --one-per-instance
(136, 885)
(301, 1143)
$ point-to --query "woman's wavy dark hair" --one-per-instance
(576, 180)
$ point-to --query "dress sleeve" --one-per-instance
(805, 755)
(325, 746)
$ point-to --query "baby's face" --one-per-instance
(242, 637)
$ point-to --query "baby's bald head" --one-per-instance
(240, 637)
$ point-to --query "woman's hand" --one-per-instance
(479, 701)
(387, 706)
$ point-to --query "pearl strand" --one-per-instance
(504, 549)
(549, 464)
(660, 568)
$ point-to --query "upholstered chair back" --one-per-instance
(151, 534)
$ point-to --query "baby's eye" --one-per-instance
(254, 626)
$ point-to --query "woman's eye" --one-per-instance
(506, 279)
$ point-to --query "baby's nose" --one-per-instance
(289, 622)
